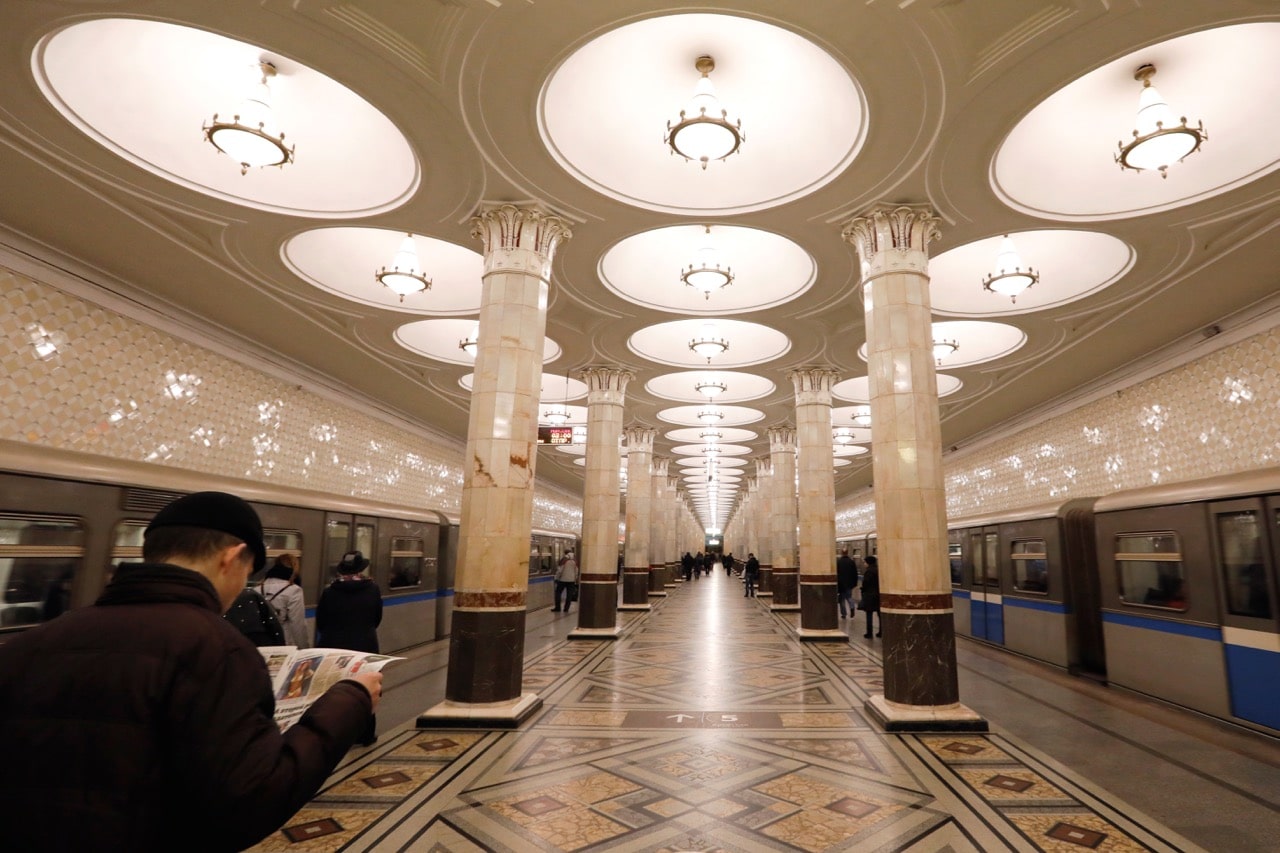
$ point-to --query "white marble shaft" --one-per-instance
(676, 519)
(658, 511)
(764, 511)
(815, 460)
(753, 506)
(782, 456)
(911, 522)
(601, 496)
(639, 495)
(497, 492)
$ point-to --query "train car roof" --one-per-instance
(1210, 488)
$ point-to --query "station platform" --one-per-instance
(709, 727)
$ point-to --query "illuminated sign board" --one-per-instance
(555, 435)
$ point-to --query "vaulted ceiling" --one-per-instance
(1005, 116)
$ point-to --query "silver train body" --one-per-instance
(67, 521)
(1170, 591)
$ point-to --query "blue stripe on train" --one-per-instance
(1035, 604)
(1201, 632)
(1254, 676)
(413, 597)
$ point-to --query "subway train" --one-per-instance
(1169, 590)
(63, 531)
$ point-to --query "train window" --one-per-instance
(1030, 566)
(280, 542)
(337, 534)
(1150, 568)
(406, 563)
(39, 558)
(1243, 570)
(127, 542)
(365, 537)
(955, 555)
(986, 558)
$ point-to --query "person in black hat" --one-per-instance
(145, 722)
(348, 616)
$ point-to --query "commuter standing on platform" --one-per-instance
(846, 580)
(749, 575)
(284, 595)
(871, 593)
(144, 722)
(566, 582)
(728, 565)
(348, 616)
(686, 565)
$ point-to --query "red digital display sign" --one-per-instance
(555, 435)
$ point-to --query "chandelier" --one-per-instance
(250, 138)
(1158, 141)
(711, 436)
(706, 274)
(843, 435)
(558, 413)
(862, 416)
(1010, 278)
(709, 344)
(704, 131)
(471, 344)
(710, 387)
(943, 349)
(710, 416)
(404, 276)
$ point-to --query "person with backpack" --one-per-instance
(281, 591)
(253, 617)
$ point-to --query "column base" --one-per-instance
(821, 635)
(657, 592)
(480, 715)
(595, 633)
(635, 606)
(671, 585)
(775, 608)
(893, 717)
(764, 595)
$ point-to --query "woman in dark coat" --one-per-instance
(349, 613)
(871, 593)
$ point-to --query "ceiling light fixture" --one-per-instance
(843, 435)
(1159, 141)
(704, 131)
(709, 344)
(862, 416)
(471, 344)
(1010, 278)
(706, 274)
(250, 138)
(711, 436)
(710, 387)
(404, 276)
(558, 413)
(710, 416)
(944, 349)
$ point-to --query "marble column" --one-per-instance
(635, 554)
(674, 515)
(749, 534)
(764, 524)
(921, 690)
(782, 456)
(486, 645)
(601, 495)
(816, 501)
(657, 535)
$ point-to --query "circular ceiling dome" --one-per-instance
(768, 269)
(145, 89)
(746, 343)
(1221, 77)
(603, 114)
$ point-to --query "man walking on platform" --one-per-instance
(846, 580)
(749, 575)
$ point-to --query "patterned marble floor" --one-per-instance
(709, 727)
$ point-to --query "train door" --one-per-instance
(1247, 549)
(986, 606)
(961, 607)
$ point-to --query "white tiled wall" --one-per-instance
(1217, 415)
(112, 386)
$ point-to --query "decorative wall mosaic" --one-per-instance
(1216, 415)
(75, 376)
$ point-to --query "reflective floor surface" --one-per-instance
(709, 727)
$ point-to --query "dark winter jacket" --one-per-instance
(145, 723)
(871, 589)
(752, 569)
(846, 573)
(348, 615)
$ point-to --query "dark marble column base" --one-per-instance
(764, 586)
(486, 655)
(897, 718)
(635, 588)
(818, 604)
(480, 715)
(785, 589)
(919, 651)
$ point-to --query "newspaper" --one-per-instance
(301, 676)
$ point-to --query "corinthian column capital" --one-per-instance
(890, 238)
(519, 238)
(813, 384)
(639, 439)
(782, 438)
(605, 384)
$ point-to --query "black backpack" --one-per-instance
(256, 619)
